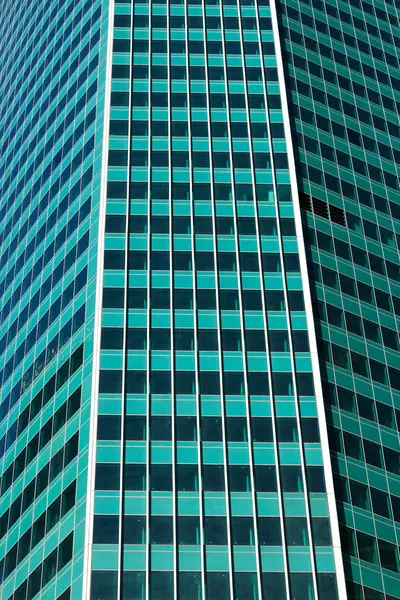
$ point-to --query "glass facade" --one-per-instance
(209, 475)
(169, 367)
(342, 74)
(52, 65)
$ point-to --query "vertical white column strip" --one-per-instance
(195, 316)
(218, 315)
(172, 316)
(148, 300)
(88, 548)
(309, 315)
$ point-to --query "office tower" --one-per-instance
(53, 68)
(342, 76)
(164, 404)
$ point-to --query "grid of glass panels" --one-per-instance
(209, 474)
(51, 103)
(343, 75)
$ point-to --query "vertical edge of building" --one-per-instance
(341, 584)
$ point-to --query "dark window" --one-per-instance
(160, 382)
(327, 586)
(242, 531)
(134, 477)
(380, 503)
(186, 428)
(189, 584)
(389, 556)
(229, 300)
(239, 478)
(206, 299)
(287, 429)
(107, 476)
(104, 585)
(291, 479)
(135, 427)
(161, 585)
(301, 585)
(296, 531)
(188, 530)
(134, 529)
(161, 530)
(274, 587)
(161, 477)
(269, 531)
(255, 340)
(184, 382)
(279, 341)
(236, 429)
(160, 339)
(252, 300)
(213, 478)
(160, 428)
(275, 300)
(136, 339)
(231, 340)
(105, 529)
(207, 339)
(321, 531)
(315, 479)
(183, 299)
(310, 430)
(187, 478)
(265, 478)
(160, 298)
(209, 382)
(211, 429)
(217, 585)
(109, 427)
(110, 381)
(261, 429)
(215, 530)
(245, 585)
(113, 297)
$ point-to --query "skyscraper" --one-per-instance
(199, 281)
(343, 83)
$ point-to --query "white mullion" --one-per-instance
(89, 516)
(148, 328)
(218, 315)
(126, 313)
(241, 312)
(195, 316)
(172, 318)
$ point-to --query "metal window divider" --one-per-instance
(218, 315)
(148, 329)
(172, 318)
(195, 320)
